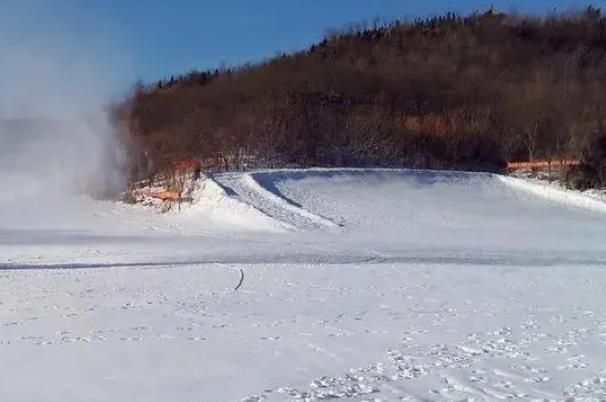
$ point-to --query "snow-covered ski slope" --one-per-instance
(359, 284)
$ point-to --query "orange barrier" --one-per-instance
(161, 195)
(542, 164)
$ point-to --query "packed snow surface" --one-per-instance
(351, 284)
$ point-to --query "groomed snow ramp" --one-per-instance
(220, 207)
(262, 195)
(414, 204)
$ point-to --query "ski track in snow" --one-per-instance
(303, 285)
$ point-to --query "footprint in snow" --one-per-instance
(131, 339)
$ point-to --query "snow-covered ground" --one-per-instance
(308, 285)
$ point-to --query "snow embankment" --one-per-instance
(215, 203)
(251, 189)
(392, 199)
(385, 202)
(558, 195)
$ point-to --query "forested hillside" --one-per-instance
(448, 92)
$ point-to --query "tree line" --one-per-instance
(447, 92)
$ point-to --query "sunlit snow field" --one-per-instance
(357, 284)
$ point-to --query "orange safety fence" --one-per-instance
(542, 164)
(161, 195)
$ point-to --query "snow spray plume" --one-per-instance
(56, 137)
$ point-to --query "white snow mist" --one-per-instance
(56, 137)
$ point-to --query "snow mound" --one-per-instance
(556, 195)
(371, 198)
(397, 199)
(252, 190)
(397, 205)
(417, 206)
(214, 206)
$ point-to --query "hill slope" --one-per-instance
(448, 92)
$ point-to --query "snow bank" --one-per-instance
(383, 201)
(397, 200)
(561, 196)
(214, 206)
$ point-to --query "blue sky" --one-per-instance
(149, 39)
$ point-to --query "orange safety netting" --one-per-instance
(542, 164)
(161, 195)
